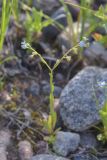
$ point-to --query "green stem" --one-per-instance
(70, 22)
(51, 98)
(39, 55)
(6, 11)
(82, 25)
(105, 132)
(3, 23)
(51, 93)
(63, 57)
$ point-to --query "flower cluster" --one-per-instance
(24, 45)
(84, 42)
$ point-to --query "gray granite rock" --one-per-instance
(59, 77)
(63, 40)
(85, 156)
(47, 6)
(66, 142)
(47, 157)
(33, 90)
(51, 32)
(96, 54)
(78, 108)
(88, 140)
(13, 67)
(99, 2)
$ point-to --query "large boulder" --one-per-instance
(78, 107)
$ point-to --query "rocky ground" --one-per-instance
(24, 93)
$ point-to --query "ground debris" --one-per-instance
(25, 150)
(4, 142)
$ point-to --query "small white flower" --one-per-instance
(82, 44)
(24, 45)
(101, 84)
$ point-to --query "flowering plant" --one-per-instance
(50, 122)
